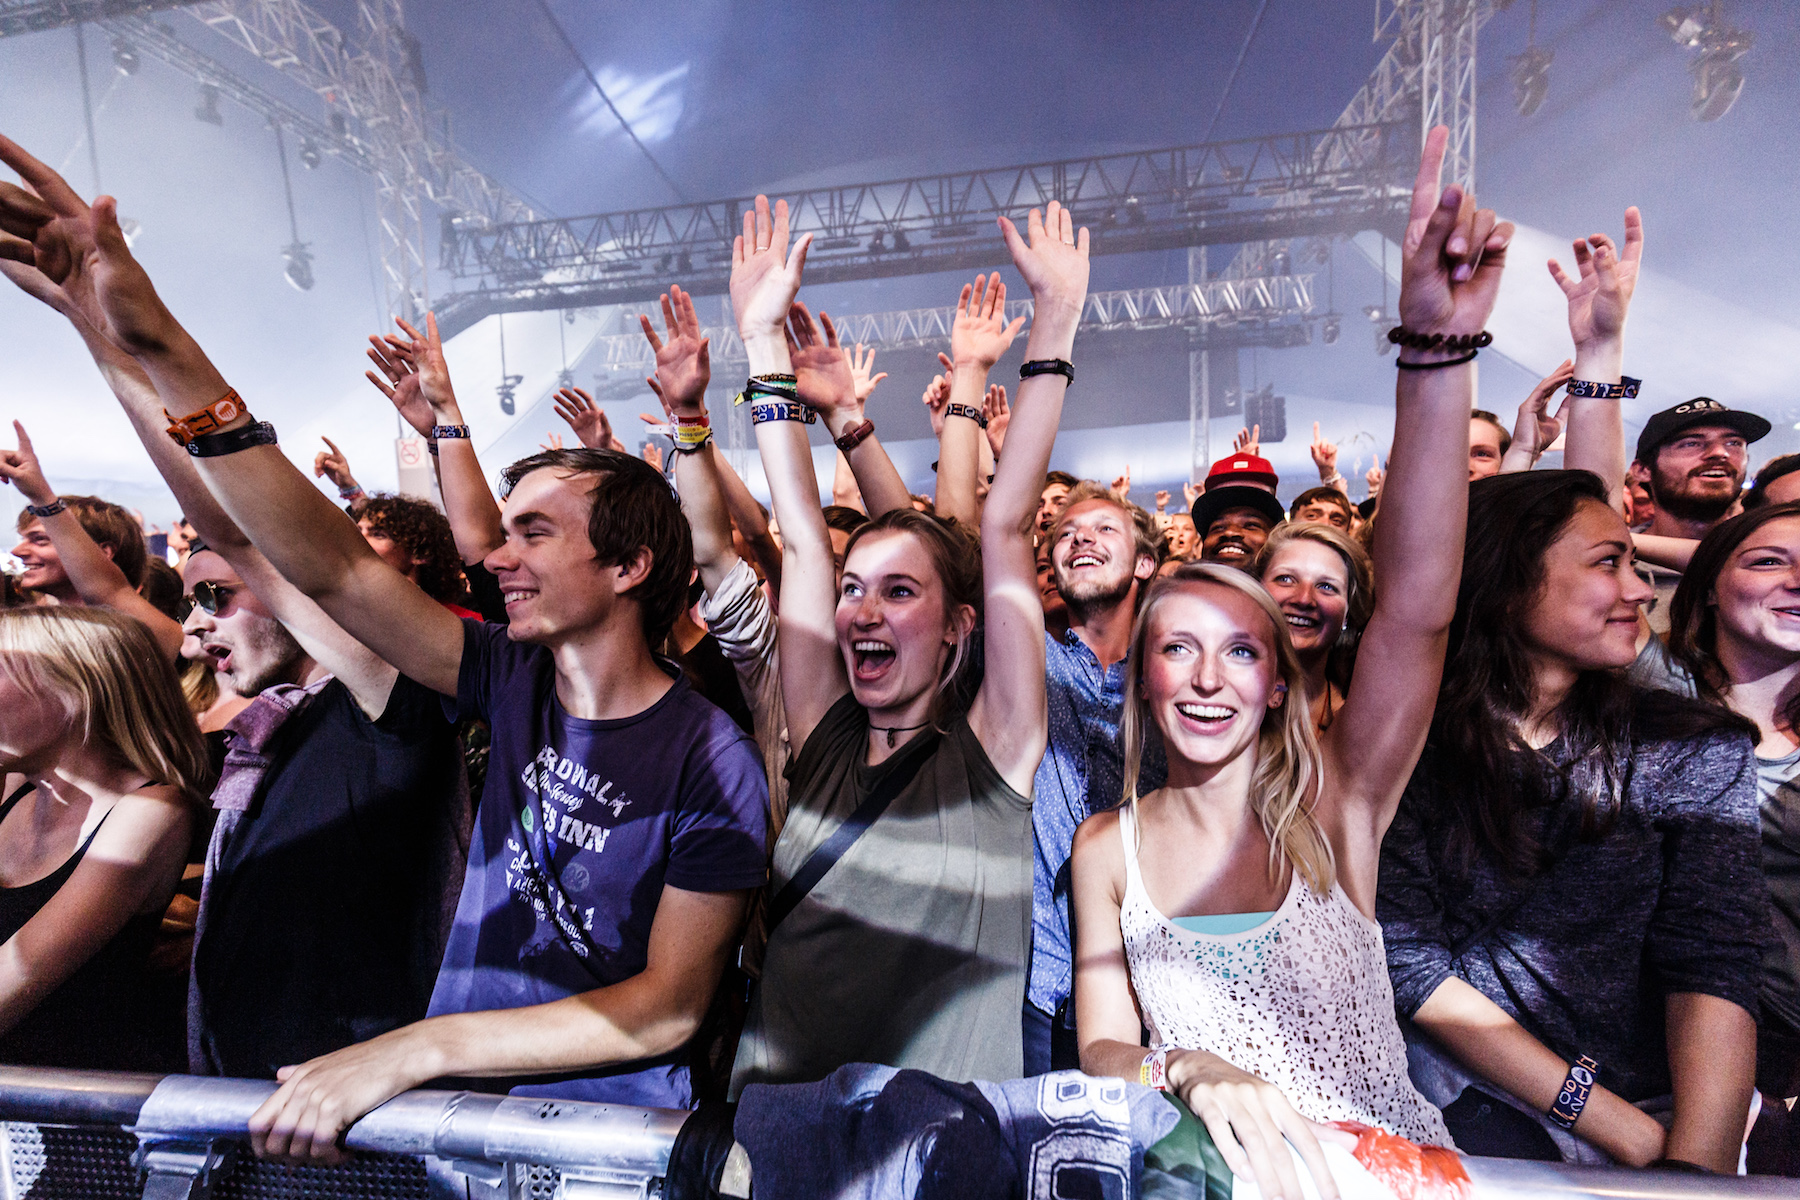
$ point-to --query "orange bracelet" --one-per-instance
(210, 419)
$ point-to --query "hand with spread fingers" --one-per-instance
(765, 271)
(1453, 255)
(1535, 430)
(980, 333)
(821, 371)
(1600, 293)
(423, 353)
(683, 357)
(587, 419)
(1053, 258)
(1248, 441)
(862, 362)
(1162, 500)
(653, 455)
(399, 382)
(998, 413)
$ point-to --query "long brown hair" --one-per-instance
(119, 688)
(1694, 613)
(1284, 788)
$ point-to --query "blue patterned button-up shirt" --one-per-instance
(1082, 774)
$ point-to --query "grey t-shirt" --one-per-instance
(911, 951)
(1778, 792)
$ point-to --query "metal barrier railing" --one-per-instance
(99, 1135)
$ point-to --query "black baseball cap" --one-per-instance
(1215, 500)
(1701, 410)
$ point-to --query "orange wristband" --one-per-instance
(210, 419)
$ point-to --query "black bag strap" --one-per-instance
(845, 836)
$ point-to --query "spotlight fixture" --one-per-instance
(565, 378)
(299, 270)
(684, 262)
(340, 126)
(1134, 211)
(664, 262)
(1718, 79)
(901, 245)
(1531, 78)
(125, 56)
(208, 108)
(878, 243)
(1376, 313)
(1282, 263)
(508, 385)
(309, 154)
(1332, 329)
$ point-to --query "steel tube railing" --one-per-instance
(625, 1142)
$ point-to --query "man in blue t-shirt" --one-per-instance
(623, 829)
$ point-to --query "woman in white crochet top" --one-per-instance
(1231, 912)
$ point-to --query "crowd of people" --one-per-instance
(1435, 811)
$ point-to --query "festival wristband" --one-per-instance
(689, 447)
(1048, 366)
(1154, 1073)
(1576, 1088)
(966, 410)
(781, 410)
(450, 431)
(691, 436)
(778, 386)
(217, 445)
(350, 493)
(853, 437)
(1625, 389)
(217, 415)
(42, 511)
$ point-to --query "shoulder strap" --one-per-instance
(845, 836)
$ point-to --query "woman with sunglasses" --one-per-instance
(104, 769)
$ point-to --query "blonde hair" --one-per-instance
(107, 672)
(1284, 788)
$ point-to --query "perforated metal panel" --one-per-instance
(365, 1177)
(58, 1162)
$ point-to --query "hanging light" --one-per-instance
(1332, 329)
(208, 108)
(299, 270)
(125, 56)
(1718, 79)
(1531, 78)
(309, 154)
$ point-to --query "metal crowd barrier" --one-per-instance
(99, 1135)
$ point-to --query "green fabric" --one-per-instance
(1221, 924)
(1185, 1165)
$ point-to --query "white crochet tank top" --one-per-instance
(1301, 1001)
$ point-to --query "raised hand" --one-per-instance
(1191, 493)
(425, 355)
(1053, 258)
(399, 382)
(1121, 487)
(937, 395)
(1375, 476)
(1162, 500)
(552, 441)
(980, 334)
(1452, 255)
(21, 469)
(1535, 430)
(861, 363)
(1248, 441)
(82, 251)
(653, 455)
(683, 360)
(821, 371)
(999, 414)
(1324, 454)
(765, 273)
(331, 464)
(1600, 293)
(589, 423)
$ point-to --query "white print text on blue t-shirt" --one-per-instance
(562, 786)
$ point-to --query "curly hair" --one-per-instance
(423, 532)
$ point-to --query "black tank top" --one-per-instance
(93, 1019)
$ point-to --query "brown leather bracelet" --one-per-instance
(854, 436)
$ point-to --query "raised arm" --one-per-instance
(418, 364)
(332, 463)
(97, 579)
(1599, 299)
(765, 278)
(979, 336)
(82, 250)
(839, 402)
(1454, 255)
(369, 679)
(1325, 457)
(1008, 714)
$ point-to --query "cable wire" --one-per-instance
(613, 108)
(1230, 80)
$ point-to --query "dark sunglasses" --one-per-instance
(211, 597)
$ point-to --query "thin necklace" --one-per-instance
(896, 729)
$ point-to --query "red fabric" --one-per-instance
(1410, 1172)
(1241, 468)
(460, 611)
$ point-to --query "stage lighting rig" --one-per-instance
(208, 108)
(309, 154)
(1531, 72)
(299, 270)
(1718, 79)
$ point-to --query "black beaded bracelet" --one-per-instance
(1400, 335)
(1048, 366)
(216, 445)
(1432, 366)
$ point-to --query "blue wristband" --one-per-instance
(1576, 1088)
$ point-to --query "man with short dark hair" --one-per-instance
(1696, 455)
(1103, 554)
(1778, 482)
(1323, 506)
(623, 825)
(1237, 510)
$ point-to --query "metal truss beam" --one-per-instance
(1239, 312)
(36, 16)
